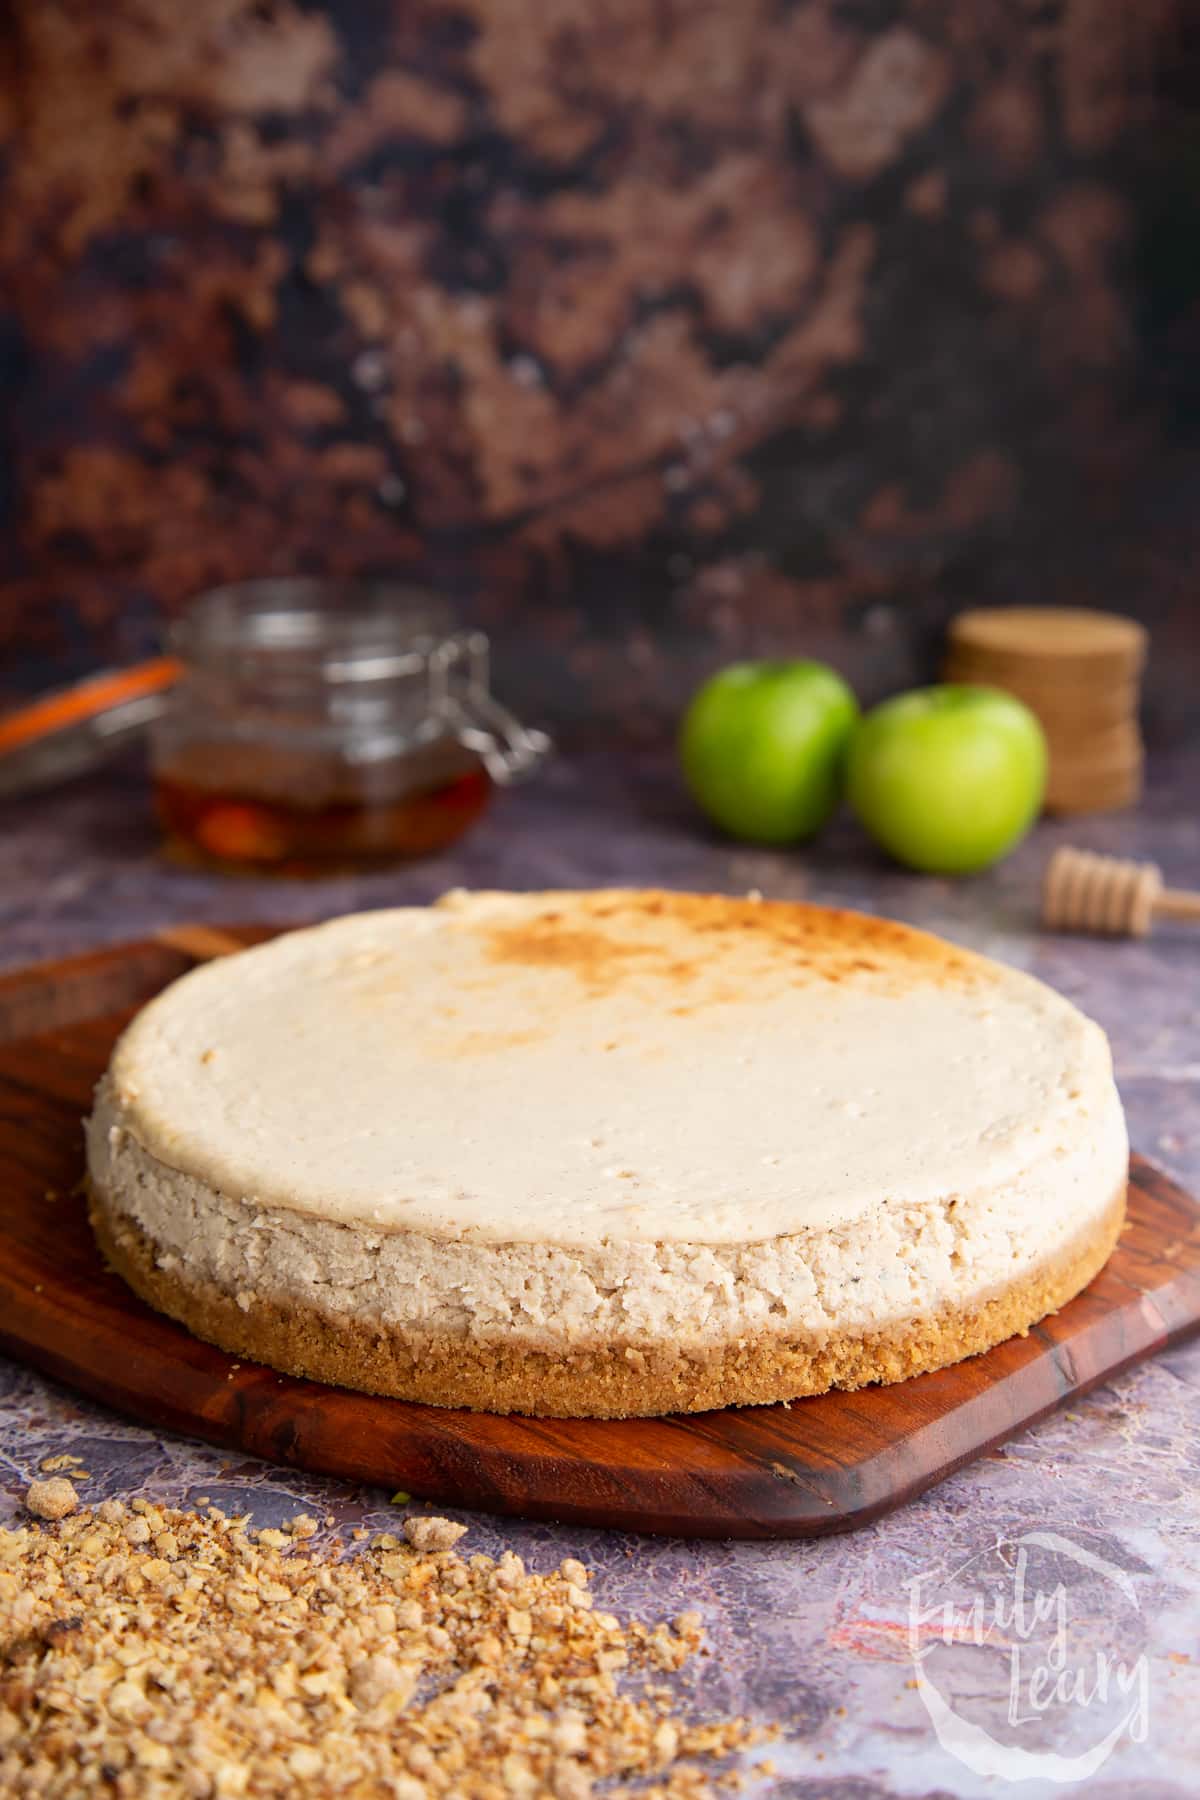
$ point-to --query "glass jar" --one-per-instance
(320, 724)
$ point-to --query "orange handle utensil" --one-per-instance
(64, 732)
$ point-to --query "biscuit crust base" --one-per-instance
(605, 1381)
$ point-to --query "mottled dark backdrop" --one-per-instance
(657, 329)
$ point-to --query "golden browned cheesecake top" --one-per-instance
(583, 1068)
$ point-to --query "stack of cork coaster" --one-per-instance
(1080, 672)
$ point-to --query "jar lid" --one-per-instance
(339, 630)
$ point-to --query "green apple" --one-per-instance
(763, 745)
(948, 779)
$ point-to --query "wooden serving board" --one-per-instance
(820, 1465)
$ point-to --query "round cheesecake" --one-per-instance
(607, 1153)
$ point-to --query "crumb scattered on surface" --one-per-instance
(52, 1499)
(152, 1653)
(433, 1534)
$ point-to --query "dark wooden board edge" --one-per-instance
(49, 996)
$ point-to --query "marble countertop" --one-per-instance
(1088, 1524)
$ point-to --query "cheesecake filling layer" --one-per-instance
(904, 1259)
(581, 1070)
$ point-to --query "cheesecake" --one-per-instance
(607, 1153)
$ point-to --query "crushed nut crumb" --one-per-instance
(433, 1534)
(150, 1652)
(52, 1499)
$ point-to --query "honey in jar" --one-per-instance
(319, 726)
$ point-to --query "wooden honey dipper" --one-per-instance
(1085, 892)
